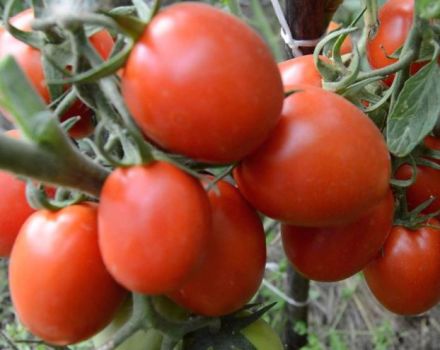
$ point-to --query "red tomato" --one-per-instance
(331, 254)
(395, 18)
(202, 83)
(29, 60)
(154, 226)
(405, 277)
(299, 70)
(347, 45)
(235, 258)
(325, 164)
(427, 182)
(14, 208)
(59, 286)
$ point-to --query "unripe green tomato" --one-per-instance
(262, 336)
(143, 339)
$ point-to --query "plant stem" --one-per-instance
(67, 168)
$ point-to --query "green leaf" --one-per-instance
(428, 9)
(416, 111)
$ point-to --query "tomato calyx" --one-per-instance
(228, 334)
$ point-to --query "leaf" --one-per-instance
(428, 9)
(416, 111)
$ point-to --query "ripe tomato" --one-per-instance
(235, 258)
(325, 164)
(202, 83)
(427, 182)
(395, 18)
(299, 70)
(331, 254)
(14, 208)
(405, 277)
(29, 60)
(154, 226)
(347, 45)
(59, 286)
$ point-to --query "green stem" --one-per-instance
(48, 156)
(136, 322)
(62, 166)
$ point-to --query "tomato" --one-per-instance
(14, 208)
(347, 45)
(300, 70)
(405, 277)
(29, 60)
(154, 226)
(235, 258)
(143, 339)
(395, 18)
(331, 254)
(325, 164)
(59, 286)
(427, 183)
(262, 336)
(202, 83)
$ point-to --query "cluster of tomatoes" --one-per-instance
(202, 84)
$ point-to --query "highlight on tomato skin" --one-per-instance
(219, 98)
(325, 164)
(166, 227)
(60, 288)
(404, 277)
(29, 59)
(331, 254)
(233, 267)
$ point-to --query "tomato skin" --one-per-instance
(154, 226)
(59, 286)
(219, 97)
(29, 60)
(299, 70)
(325, 164)
(395, 18)
(14, 208)
(230, 275)
(330, 254)
(405, 278)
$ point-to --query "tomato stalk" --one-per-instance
(50, 156)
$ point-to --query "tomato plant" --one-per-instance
(143, 339)
(262, 336)
(335, 253)
(404, 277)
(164, 235)
(29, 60)
(325, 164)
(235, 257)
(347, 45)
(59, 286)
(395, 18)
(13, 206)
(206, 80)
